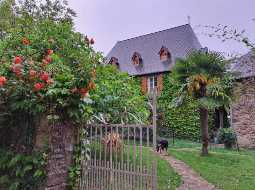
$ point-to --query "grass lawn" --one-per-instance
(168, 179)
(226, 169)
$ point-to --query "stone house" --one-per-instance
(150, 56)
(243, 109)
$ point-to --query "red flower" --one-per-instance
(44, 76)
(17, 60)
(32, 73)
(48, 59)
(50, 52)
(25, 41)
(38, 86)
(84, 92)
(92, 41)
(2, 81)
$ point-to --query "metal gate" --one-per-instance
(121, 158)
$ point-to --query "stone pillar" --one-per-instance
(61, 139)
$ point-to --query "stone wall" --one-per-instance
(61, 139)
(243, 112)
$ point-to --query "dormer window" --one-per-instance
(164, 54)
(114, 61)
(136, 59)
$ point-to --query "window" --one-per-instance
(164, 54)
(114, 61)
(152, 83)
(136, 59)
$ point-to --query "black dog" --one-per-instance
(162, 145)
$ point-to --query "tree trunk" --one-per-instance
(204, 130)
(221, 117)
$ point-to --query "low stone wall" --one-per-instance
(243, 112)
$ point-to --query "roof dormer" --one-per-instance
(164, 54)
(136, 59)
(114, 61)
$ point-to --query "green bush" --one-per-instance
(228, 137)
(21, 171)
(117, 97)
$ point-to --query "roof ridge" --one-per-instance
(155, 32)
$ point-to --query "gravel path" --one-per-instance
(190, 179)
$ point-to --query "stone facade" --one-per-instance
(243, 112)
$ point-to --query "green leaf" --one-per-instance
(27, 168)
(14, 186)
(14, 160)
(38, 173)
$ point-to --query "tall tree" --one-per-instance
(204, 77)
(6, 16)
(56, 10)
(24, 13)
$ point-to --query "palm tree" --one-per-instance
(205, 78)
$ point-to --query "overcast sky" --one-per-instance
(109, 21)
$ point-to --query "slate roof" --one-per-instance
(180, 41)
(244, 66)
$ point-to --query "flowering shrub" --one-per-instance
(47, 68)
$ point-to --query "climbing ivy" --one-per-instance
(182, 121)
(80, 158)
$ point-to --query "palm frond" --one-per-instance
(204, 77)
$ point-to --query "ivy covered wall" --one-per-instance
(182, 121)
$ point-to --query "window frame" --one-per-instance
(152, 83)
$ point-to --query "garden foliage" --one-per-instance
(41, 71)
(21, 171)
(228, 137)
(46, 69)
(117, 97)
